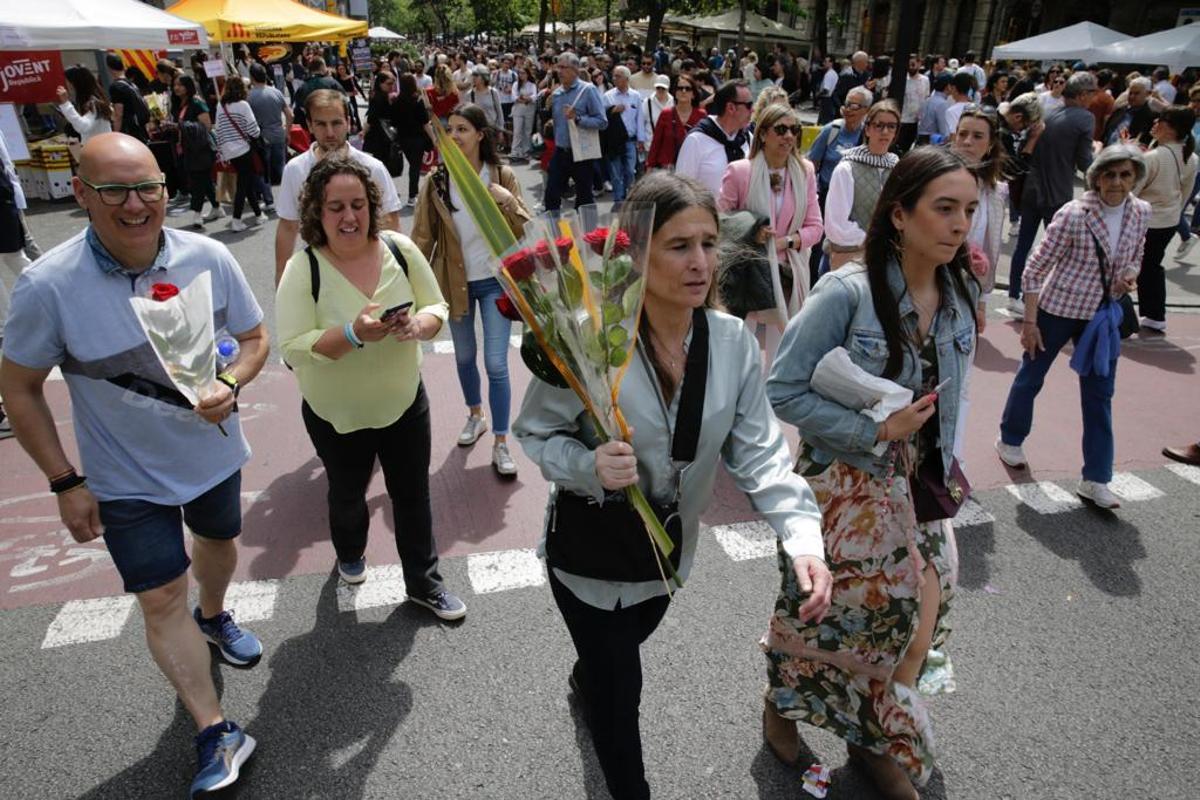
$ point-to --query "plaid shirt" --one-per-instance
(1064, 271)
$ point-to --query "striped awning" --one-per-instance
(144, 60)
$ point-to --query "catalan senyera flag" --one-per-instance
(145, 60)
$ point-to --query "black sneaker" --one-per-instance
(6, 431)
(443, 604)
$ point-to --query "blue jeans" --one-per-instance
(1095, 397)
(1185, 230)
(496, 330)
(623, 169)
(1032, 215)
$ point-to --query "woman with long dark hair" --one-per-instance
(195, 150)
(378, 134)
(410, 119)
(90, 113)
(460, 257)
(906, 313)
(1170, 172)
(349, 82)
(694, 393)
(673, 125)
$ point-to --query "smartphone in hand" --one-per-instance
(390, 315)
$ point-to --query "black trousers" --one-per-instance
(403, 450)
(247, 185)
(814, 255)
(1152, 280)
(610, 675)
(414, 151)
(563, 168)
(201, 183)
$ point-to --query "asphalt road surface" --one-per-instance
(1073, 647)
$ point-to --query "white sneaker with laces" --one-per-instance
(216, 213)
(258, 219)
(1011, 454)
(502, 460)
(1185, 247)
(198, 220)
(236, 225)
(1098, 493)
(475, 427)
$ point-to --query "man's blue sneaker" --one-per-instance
(239, 647)
(353, 571)
(221, 750)
(443, 604)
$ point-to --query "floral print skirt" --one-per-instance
(837, 674)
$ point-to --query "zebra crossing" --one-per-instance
(80, 622)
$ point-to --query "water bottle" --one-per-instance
(228, 350)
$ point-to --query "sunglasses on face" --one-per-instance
(885, 126)
(684, 88)
(783, 130)
(749, 104)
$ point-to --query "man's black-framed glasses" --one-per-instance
(115, 194)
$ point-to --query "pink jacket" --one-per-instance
(735, 186)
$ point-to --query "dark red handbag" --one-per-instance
(934, 496)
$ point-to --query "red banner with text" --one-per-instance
(30, 76)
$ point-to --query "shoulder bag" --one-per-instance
(609, 542)
(258, 150)
(1129, 318)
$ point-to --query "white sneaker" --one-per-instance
(475, 427)
(1011, 454)
(1098, 493)
(259, 218)
(1016, 307)
(198, 220)
(1185, 247)
(268, 208)
(412, 202)
(1158, 326)
(236, 225)
(216, 213)
(502, 460)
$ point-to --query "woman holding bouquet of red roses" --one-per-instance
(695, 378)
(445, 230)
(351, 311)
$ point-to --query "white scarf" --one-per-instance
(760, 200)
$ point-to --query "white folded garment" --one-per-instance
(839, 379)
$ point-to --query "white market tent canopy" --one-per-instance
(1082, 41)
(380, 32)
(93, 25)
(1177, 48)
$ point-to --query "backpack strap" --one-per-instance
(395, 250)
(314, 274)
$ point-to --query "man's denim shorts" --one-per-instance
(145, 539)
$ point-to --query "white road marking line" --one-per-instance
(1186, 471)
(1044, 497)
(972, 513)
(80, 621)
(743, 541)
(1132, 489)
(252, 600)
(384, 587)
(503, 570)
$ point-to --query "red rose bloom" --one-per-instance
(519, 264)
(541, 252)
(163, 291)
(598, 236)
(505, 306)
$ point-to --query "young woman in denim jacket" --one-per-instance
(908, 315)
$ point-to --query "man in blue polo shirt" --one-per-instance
(152, 460)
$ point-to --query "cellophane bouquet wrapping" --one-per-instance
(179, 326)
(577, 279)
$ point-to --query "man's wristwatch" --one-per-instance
(230, 381)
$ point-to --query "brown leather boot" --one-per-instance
(889, 778)
(781, 735)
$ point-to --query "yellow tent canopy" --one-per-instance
(267, 21)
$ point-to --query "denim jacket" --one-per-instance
(840, 312)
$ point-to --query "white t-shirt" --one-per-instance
(951, 114)
(1050, 102)
(287, 196)
(703, 158)
(475, 252)
(424, 82)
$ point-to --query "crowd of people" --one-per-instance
(883, 240)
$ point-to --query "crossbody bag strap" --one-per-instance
(233, 122)
(691, 394)
(1105, 281)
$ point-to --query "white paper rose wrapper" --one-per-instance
(180, 330)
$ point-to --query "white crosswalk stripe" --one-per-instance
(92, 620)
(252, 600)
(384, 587)
(1132, 489)
(743, 541)
(504, 570)
(1044, 497)
(972, 513)
(1186, 471)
